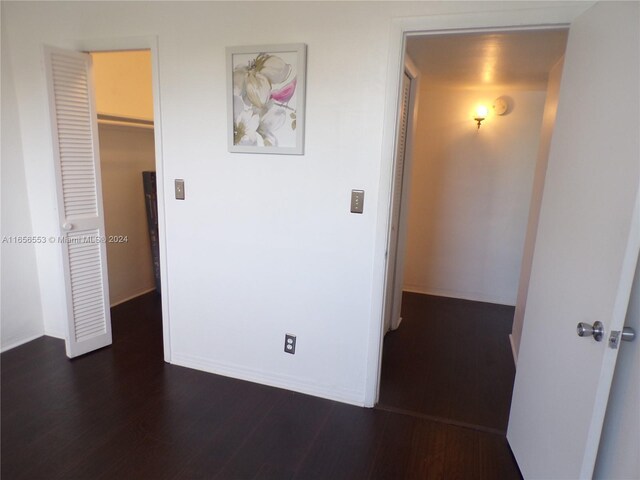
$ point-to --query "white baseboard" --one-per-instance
(274, 380)
(476, 297)
(139, 294)
(22, 341)
(513, 350)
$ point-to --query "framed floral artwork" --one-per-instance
(266, 98)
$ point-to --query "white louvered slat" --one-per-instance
(394, 263)
(79, 174)
(74, 131)
(62, 61)
(68, 73)
(80, 195)
(74, 123)
(72, 109)
(80, 171)
(402, 135)
(74, 149)
(71, 92)
(73, 114)
(70, 105)
(79, 177)
(76, 182)
(85, 265)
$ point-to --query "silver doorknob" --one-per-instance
(596, 330)
(67, 226)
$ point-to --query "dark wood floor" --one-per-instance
(123, 413)
(450, 360)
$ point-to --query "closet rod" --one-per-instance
(119, 119)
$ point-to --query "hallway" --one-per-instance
(450, 361)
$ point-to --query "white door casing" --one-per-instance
(508, 16)
(585, 251)
(79, 199)
(147, 43)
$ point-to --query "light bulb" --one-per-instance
(481, 111)
(480, 115)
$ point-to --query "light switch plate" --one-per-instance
(179, 184)
(357, 201)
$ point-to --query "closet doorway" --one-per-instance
(75, 135)
(124, 105)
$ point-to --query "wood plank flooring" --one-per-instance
(450, 360)
(122, 413)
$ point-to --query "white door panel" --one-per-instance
(585, 250)
(77, 163)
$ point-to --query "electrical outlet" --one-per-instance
(289, 343)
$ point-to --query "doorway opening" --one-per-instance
(123, 84)
(465, 206)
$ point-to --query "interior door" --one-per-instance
(585, 252)
(395, 267)
(77, 164)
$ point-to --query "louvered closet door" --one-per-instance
(396, 264)
(82, 237)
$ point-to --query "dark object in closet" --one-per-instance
(151, 202)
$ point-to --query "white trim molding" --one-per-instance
(513, 350)
(287, 382)
(22, 341)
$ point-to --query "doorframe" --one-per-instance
(145, 43)
(516, 17)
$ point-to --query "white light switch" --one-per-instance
(357, 201)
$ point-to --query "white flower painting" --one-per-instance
(267, 98)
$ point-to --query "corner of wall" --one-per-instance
(548, 122)
(21, 307)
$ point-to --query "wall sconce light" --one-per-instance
(501, 106)
(481, 114)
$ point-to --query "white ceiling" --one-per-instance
(505, 59)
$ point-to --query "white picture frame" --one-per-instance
(266, 92)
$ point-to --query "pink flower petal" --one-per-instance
(285, 93)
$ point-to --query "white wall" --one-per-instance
(548, 121)
(126, 152)
(470, 192)
(21, 310)
(247, 260)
